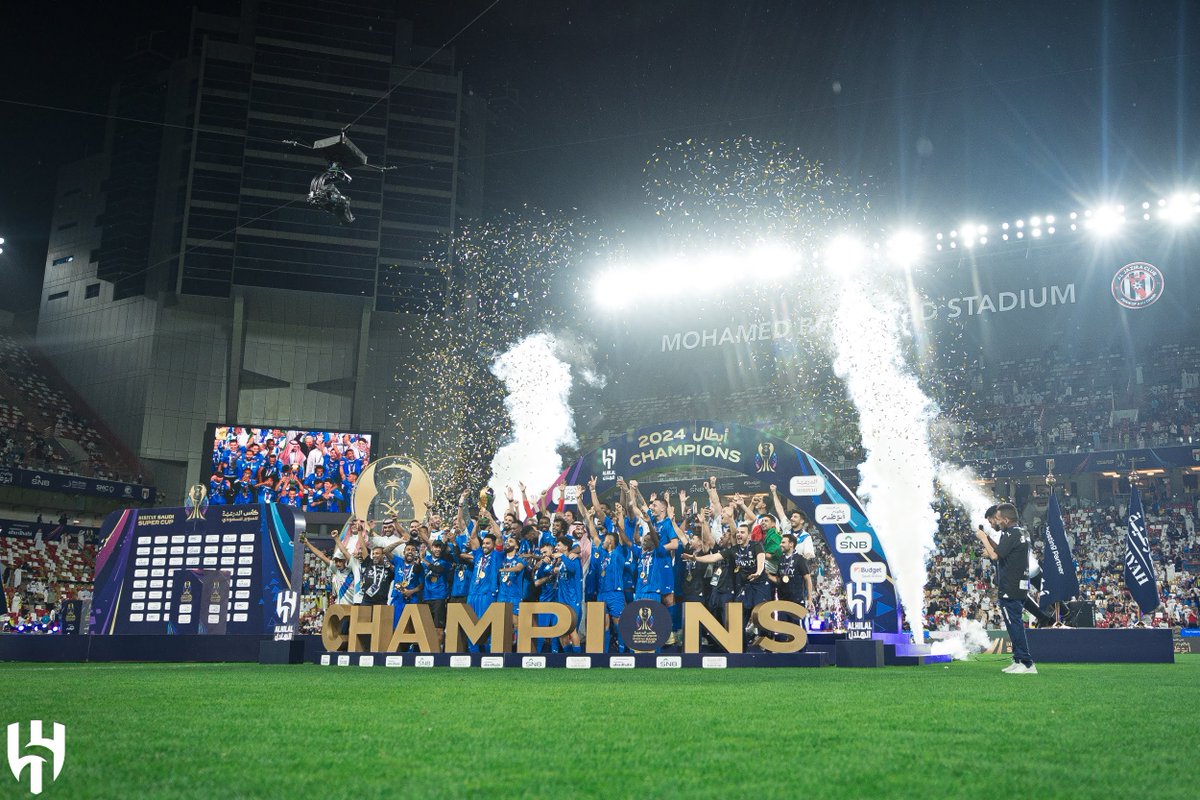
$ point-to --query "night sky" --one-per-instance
(948, 111)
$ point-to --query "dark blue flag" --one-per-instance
(1060, 582)
(1139, 570)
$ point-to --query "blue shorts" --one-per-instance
(480, 603)
(664, 581)
(398, 603)
(648, 595)
(516, 604)
(614, 603)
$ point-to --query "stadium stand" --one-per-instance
(44, 425)
(1043, 404)
(41, 573)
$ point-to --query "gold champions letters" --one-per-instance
(370, 628)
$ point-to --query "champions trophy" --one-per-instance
(196, 501)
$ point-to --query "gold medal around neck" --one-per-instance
(787, 578)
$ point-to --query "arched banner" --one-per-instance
(813, 487)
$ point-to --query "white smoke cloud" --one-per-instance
(897, 477)
(960, 483)
(961, 641)
(539, 386)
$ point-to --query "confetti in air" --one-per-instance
(539, 387)
(505, 278)
(510, 279)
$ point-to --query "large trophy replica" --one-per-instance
(392, 487)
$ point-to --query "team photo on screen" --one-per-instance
(306, 469)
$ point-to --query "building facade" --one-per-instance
(199, 285)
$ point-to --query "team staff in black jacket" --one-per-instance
(1011, 555)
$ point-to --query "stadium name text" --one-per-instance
(734, 334)
(370, 628)
(951, 308)
(975, 305)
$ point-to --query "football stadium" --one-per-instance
(543, 399)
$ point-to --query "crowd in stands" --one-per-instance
(1050, 403)
(43, 427)
(38, 573)
(960, 577)
(1045, 403)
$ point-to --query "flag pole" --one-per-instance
(1133, 482)
(1050, 482)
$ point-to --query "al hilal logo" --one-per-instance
(1137, 285)
(56, 744)
(285, 606)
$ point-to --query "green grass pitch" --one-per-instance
(232, 730)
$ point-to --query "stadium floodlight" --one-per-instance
(905, 248)
(773, 261)
(969, 232)
(1105, 220)
(846, 252)
(710, 270)
(614, 288)
(1178, 210)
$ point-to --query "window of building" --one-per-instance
(57, 296)
(62, 260)
(92, 290)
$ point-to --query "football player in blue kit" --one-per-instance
(512, 576)
(543, 582)
(608, 562)
(408, 581)
(568, 586)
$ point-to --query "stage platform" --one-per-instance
(167, 649)
(1102, 645)
(1052, 645)
(577, 660)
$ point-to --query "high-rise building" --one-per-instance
(222, 295)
